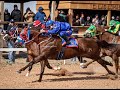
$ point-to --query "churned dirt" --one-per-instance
(92, 77)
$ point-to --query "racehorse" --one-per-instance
(111, 50)
(51, 46)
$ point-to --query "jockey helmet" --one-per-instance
(36, 23)
(49, 23)
(12, 21)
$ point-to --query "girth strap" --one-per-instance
(61, 53)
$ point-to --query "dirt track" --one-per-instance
(90, 78)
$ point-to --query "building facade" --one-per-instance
(109, 7)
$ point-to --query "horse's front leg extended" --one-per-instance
(42, 69)
(35, 60)
(28, 65)
(103, 63)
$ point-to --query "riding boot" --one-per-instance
(66, 39)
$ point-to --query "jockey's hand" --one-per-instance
(42, 31)
(106, 29)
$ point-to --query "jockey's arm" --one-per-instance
(54, 30)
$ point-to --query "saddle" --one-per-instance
(73, 44)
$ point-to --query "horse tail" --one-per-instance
(102, 44)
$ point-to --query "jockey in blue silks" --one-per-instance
(63, 29)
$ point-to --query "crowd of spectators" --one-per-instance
(80, 20)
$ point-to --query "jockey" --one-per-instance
(63, 29)
(91, 30)
(23, 34)
(114, 27)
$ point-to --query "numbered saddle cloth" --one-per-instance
(73, 42)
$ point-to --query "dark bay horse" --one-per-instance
(112, 49)
(51, 46)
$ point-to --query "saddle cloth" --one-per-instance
(73, 42)
(21, 40)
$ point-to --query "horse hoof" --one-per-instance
(18, 71)
(112, 77)
(36, 81)
(83, 66)
(110, 64)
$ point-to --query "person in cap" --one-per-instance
(40, 15)
(10, 41)
(29, 16)
(12, 27)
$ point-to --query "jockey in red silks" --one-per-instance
(24, 33)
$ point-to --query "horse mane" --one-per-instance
(102, 44)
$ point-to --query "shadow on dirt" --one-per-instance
(76, 78)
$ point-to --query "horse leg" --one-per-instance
(28, 65)
(48, 64)
(84, 65)
(42, 69)
(103, 63)
(82, 62)
(116, 60)
(29, 70)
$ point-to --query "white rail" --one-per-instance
(13, 49)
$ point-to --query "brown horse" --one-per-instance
(51, 46)
(112, 50)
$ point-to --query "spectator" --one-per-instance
(40, 15)
(102, 21)
(76, 20)
(6, 18)
(118, 18)
(62, 17)
(113, 18)
(10, 41)
(29, 16)
(16, 14)
(95, 20)
(82, 20)
(88, 22)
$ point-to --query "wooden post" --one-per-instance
(53, 10)
(2, 19)
(21, 9)
(108, 17)
(70, 12)
(0, 47)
